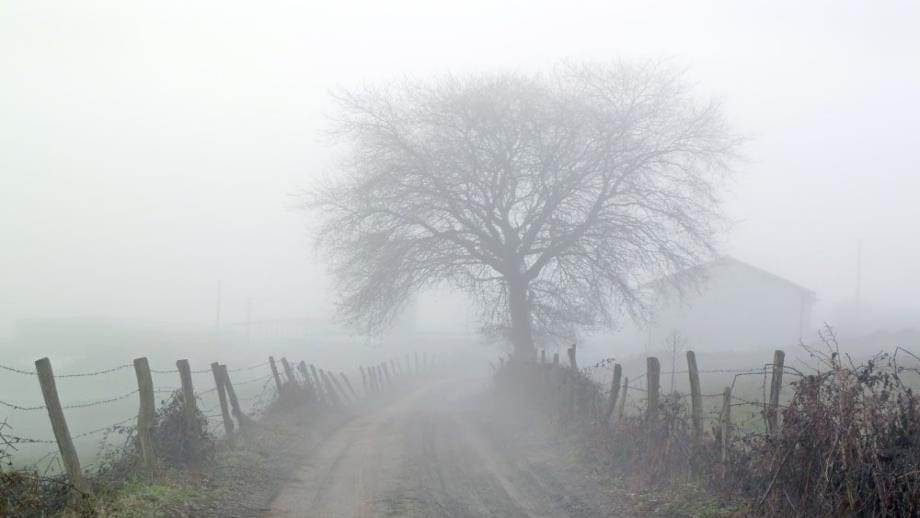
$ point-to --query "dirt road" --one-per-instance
(434, 452)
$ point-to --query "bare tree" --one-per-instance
(676, 344)
(551, 197)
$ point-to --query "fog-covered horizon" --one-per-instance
(149, 151)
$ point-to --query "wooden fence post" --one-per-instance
(307, 383)
(289, 373)
(320, 388)
(726, 421)
(614, 391)
(348, 384)
(147, 413)
(696, 401)
(189, 404)
(572, 361)
(386, 372)
(59, 426)
(652, 376)
(364, 381)
(338, 387)
(776, 386)
(622, 405)
(222, 397)
(271, 362)
(235, 409)
(330, 390)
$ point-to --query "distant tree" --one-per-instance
(551, 198)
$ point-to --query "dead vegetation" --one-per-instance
(848, 442)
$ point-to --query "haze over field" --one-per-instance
(148, 151)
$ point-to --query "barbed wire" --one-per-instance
(15, 439)
(252, 380)
(101, 401)
(20, 407)
(95, 373)
(208, 370)
(68, 375)
(88, 404)
(105, 428)
(18, 371)
(250, 368)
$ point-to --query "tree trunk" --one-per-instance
(521, 330)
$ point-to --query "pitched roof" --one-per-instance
(727, 260)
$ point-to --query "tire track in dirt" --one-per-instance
(430, 453)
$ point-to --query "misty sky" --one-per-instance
(148, 149)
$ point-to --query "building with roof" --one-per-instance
(730, 305)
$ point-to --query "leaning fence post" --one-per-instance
(59, 425)
(652, 376)
(338, 386)
(271, 362)
(776, 385)
(147, 414)
(330, 389)
(289, 373)
(386, 372)
(364, 380)
(572, 361)
(307, 384)
(614, 391)
(622, 405)
(696, 401)
(726, 421)
(189, 404)
(321, 393)
(222, 398)
(241, 418)
(348, 384)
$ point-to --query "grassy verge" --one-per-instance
(241, 478)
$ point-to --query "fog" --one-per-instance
(150, 152)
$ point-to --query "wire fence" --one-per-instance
(636, 392)
(29, 448)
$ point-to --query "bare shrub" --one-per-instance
(849, 441)
(178, 442)
(849, 444)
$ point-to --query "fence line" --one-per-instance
(295, 388)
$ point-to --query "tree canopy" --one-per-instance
(550, 197)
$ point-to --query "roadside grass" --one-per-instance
(684, 499)
(164, 495)
(241, 478)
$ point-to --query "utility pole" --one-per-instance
(217, 319)
(858, 308)
(248, 322)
